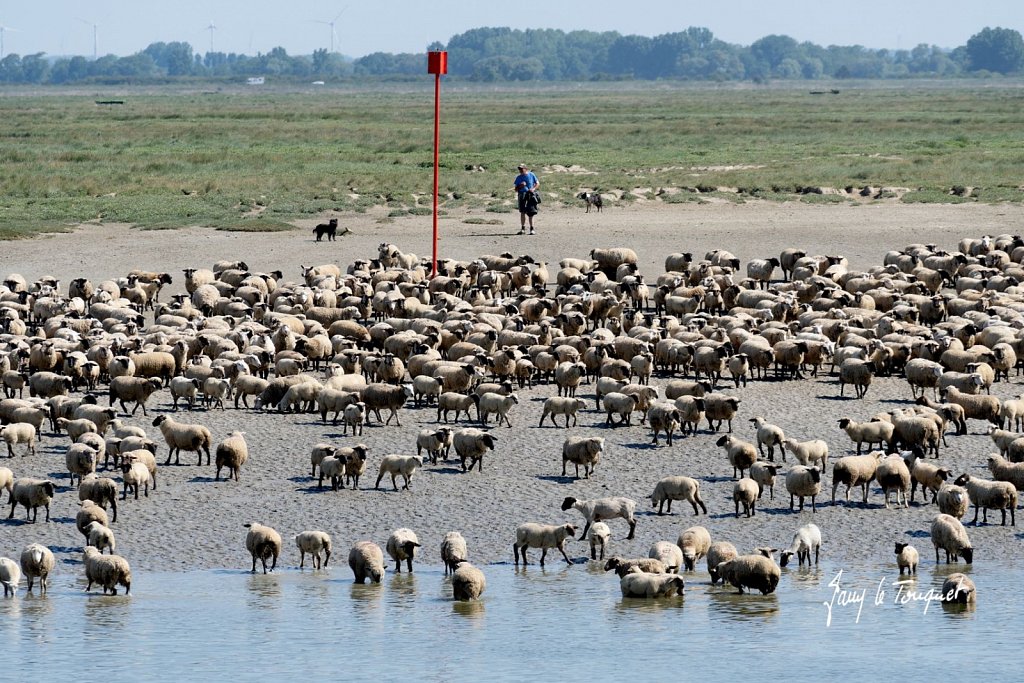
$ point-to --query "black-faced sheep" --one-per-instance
(694, 542)
(395, 465)
(262, 542)
(949, 534)
(109, 571)
(453, 551)
(603, 509)
(804, 482)
(231, 453)
(180, 436)
(677, 488)
(37, 561)
(468, 582)
(806, 539)
(402, 545)
(985, 495)
(582, 450)
(366, 560)
(31, 493)
(471, 444)
(543, 536)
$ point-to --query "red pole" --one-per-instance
(437, 141)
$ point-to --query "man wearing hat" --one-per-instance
(526, 184)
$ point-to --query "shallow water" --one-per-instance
(291, 623)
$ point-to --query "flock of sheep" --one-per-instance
(381, 335)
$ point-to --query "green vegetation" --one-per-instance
(256, 161)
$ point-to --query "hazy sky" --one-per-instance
(250, 26)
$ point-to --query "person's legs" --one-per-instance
(522, 213)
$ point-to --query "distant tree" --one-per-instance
(996, 49)
(773, 49)
(10, 69)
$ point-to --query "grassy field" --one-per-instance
(241, 160)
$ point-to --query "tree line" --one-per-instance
(504, 54)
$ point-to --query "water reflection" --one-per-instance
(746, 607)
(366, 597)
(472, 610)
(627, 605)
(264, 591)
(809, 576)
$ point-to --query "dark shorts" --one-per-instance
(526, 204)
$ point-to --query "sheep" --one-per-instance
(453, 551)
(975, 407)
(80, 460)
(100, 417)
(543, 536)
(355, 462)
(37, 561)
(741, 453)
(1002, 470)
(869, 433)
(451, 400)
(809, 452)
(694, 542)
(928, 475)
(354, 416)
(893, 474)
(471, 444)
(719, 408)
(135, 474)
(923, 374)
(31, 415)
(568, 376)
(806, 539)
(745, 492)
(601, 509)
(562, 405)
(764, 475)
(109, 571)
(231, 453)
(497, 404)
(318, 453)
(756, 572)
(739, 368)
(906, 558)
(262, 542)
(244, 387)
(180, 436)
(600, 534)
(468, 582)
(802, 481)
(19, 432)
(952, 500)
(377, 396)
(582, 450)
(608, 260)
(435, 442)
(760, 270)
(677, 488)
(401, 545)
(986, 494)
(664, 417)
(857, 372)
(855, 470)
(6, 480)
(959, 589)
(31, 493)
(719, 552)
(100, 536)
(137, 389)
(333, 466)
(394, 465)
(10, 576)
(75, 428)
(14, 381)
(949, 534)
(623, 566)
(637, 584)
(334, 401)
(427, 389)
(769, 435)
(48, 384)
(366, 560)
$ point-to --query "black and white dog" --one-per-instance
(591, 199)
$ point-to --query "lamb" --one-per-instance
(37, 561)
(19, 432)
(868, 433)
(906, 558)
(392, 397)
(471, 444)
(451, 400)
(637, 584)
(334, 401)
(745, 492)
(427, 389)
(739, 368)
(985, 494)
(562, 405)
(216, 390)
(100, 536)
(949, 534)
(109, 571)
(366, 560)
(694, 542)
(31, 493)
(453, 551)
(80, 460)
(719, 408)
(771, 436)
(1002, 470)
(354, 416)
(180, 436)
(468, 582)
(764, 475)
(262, 542)
(231, 453)
(135, 474)
(648, 565)
(958, 589)
(333, 466)
(857, 372)
(952, 500)
(582, 450)
(741, 453)
(802, 481)
(394, 465)
(600, 534)
(497, 404)
(137, 389)
(719, 552)
(319, 452)
(677, 488)
(543, 536)
(435, 442)
(893, 474)
(809, 452)
(402, 545)
(10, 576)
(855, 470)
(601, 509)
(928, 475)
(806, 539)
(756, 572)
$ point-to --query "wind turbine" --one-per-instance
(4, 29)
(95, 37)
(211, 28)
(331, 24)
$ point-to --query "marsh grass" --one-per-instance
(167, 160)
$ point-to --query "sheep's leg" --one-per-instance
(393, 481)
(632, 529)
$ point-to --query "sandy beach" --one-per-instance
(192, 522)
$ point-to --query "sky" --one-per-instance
(123, 27)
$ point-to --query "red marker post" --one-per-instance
(437, 64)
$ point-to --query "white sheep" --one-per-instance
(450, 400)
(906, 558)
(453, 551)
(928, 475)
(668, 553)
(471, 444)
(719, 552)
(100, 537)
(806, 539)
(637, 584)
(135, 474)
(37, 561)
(893, 474)
(599, 536)
(985, 494)
(313, 542)
(401, 545)
(769, 435)
(562, 405)
(669, 489)
(80, 460)
(10, 576)
(232, 453)
(262, 542)
(949, 534)
(180, 436)
(855, 470)
(1002, 470)
(543, 536)
(109, 571)
(742, 454)
(952, 500)
(809, 452)
(869, 433)
(187, 388)
(436, 442)
(395, 465)
(497, 404)
(764, 475)
(694, 542)
(582, 450)
(354, 416)
(468, 582)
(603, 509)
(745, 493)
(366, 560)
(803, 482)
(19, 432)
